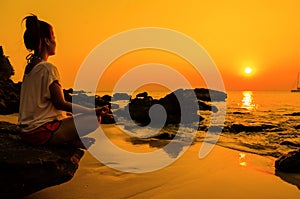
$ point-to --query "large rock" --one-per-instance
(139, 107)
(6, 69)
(9, 91)
(289, 162)
(25, 169)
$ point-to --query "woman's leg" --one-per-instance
(68, 132)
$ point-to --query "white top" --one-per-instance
(36, 107)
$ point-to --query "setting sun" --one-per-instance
(248, 70)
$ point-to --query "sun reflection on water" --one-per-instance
(247, 101)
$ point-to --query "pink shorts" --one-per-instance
(41, 135)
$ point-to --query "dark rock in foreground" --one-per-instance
(25, 169)
(289, 162)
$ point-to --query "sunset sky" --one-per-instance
(260, 34)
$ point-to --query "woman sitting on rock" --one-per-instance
(42, 114)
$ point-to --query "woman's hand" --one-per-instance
(103, 111)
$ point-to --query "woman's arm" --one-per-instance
(59, 102)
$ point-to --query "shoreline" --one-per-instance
(187, 176)
(224, 173)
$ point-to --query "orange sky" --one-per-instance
(260, 34)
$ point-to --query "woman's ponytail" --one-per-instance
(32, 37)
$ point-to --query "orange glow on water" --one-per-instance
(247, 101)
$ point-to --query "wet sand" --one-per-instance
(224, 173)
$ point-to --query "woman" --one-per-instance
(42, 104)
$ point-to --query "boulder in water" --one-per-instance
(289, 162)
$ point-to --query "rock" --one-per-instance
(289, 143)
(25, 169)
(165, 136)
(106, 98)
(6, 69)
(139, 107)
(68, 94)
(293, 114)
(9, 91)
(237, 128)
(142, 95)
(121, 96)
(10, 96)
(205, 94)
(240, 113)
(289, 162)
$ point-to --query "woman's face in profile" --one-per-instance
(51, 44)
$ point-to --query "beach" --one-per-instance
(203, 99)
(237, 167)
(223, 173)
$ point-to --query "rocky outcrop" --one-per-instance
(9, 91)
(208, 95)
(139, 107)
(6, 69)
(289, 162)
(25, 169)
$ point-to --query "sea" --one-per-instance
(280, 110)
(276, 112)
(270, 122)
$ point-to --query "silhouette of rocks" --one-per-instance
(293, 114)
(289, 162)
(25, 169)
(121, 96)
(139, 107)
(6, 69)
(210, 95)
(289, 143)
(9, 91)
(237, 128)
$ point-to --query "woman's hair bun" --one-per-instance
(32, 22)
(32, 33)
